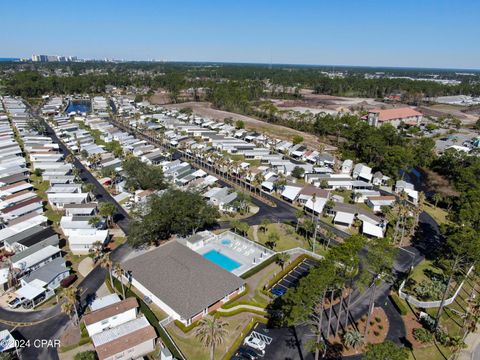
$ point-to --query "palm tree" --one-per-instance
(69, 307)
(299, 216)
(314, 200)
(70, 158)
(106, 263)
(118, 271)
(353, 339)
(107, 209)
(96, 249)
(211, 332)
(282, 259)
(264, 224)
(437, 197)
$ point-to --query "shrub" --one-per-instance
(86, 355)
(380, 327)
(376, 333)
(69, 280)
(422, 335)
(377, 319)
(442, 337)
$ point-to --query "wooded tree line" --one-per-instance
(177, 76)
(379, 88)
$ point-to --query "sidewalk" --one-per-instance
(85, 266)
(472, 352)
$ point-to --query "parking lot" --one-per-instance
(291, 278)
(274, 337)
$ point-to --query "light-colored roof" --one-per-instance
(371, 229)
(29, 292)
(102, 302)
(123, 337)
(291, 192)
(344, 218)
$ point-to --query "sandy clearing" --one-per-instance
(278, 131)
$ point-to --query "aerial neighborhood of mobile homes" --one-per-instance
(49, 215)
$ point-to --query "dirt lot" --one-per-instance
(445, 110)
(281, 132)
(330, 104)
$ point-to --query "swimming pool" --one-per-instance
(221, 260)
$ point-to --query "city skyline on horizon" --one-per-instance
(432, 34)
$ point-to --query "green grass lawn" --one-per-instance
(193, 348)
(439, 215)
(419, 272)
(288, 238)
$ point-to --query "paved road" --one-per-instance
(50, 323)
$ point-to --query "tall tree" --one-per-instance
(211, 332)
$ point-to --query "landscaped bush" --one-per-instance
(376, 333)
(428, 322)
(289, 267)
(86, 355)
(377, 319)
(442, 337)
(427, 289)
(69, 280)
(422, 335)
(259, 267)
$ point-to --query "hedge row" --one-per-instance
(259, 267)
(287, 269)
(151, 317)
(239, 339)
(399, 304)
(238, 311)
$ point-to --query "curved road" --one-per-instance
(49, 324)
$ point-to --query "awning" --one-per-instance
(344, 218)
(29, 292)
(372, 230)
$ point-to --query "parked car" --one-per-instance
(278, 291)
(254, 342)
(247, 353)
(14, 303)
(69, 280)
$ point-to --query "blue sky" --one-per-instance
(414, 33)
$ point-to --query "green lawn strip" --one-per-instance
(438, 214)
(285, 271)
(193, 348)
(288, 239)
(400, 304)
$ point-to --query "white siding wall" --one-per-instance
(111, 322)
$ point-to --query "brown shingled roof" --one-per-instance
(110, 310)
(398, 113)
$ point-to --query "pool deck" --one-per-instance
(245, 252)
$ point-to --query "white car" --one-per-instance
(254, 343)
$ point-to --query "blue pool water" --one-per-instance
(226, 242)
(221, 260)
(82, 106)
